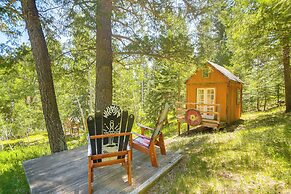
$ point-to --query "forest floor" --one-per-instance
(251, 156)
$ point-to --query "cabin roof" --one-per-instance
(225, 72)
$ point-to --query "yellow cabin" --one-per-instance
(216, 93)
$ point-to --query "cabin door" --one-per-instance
(206, 96)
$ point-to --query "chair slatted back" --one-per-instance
(111, 121)
(161, 120)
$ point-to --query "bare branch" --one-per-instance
(11, 9)
(49, 9)
(122, 37)
(144, 54)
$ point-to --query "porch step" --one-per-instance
(210, 121)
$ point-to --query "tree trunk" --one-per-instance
(179, 88)
(43, 68)
(142, 93)
(103, 55)
(91, 92)
(1, 144)
(258, 104)
(287, 72)
(278, 95)
(82, 114)
(265, 102)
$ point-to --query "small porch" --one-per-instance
(210, 114)
(67, 172)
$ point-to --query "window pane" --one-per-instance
(205, 73)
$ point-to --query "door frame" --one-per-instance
(205, 115)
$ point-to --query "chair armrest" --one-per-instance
(142, 136)
(110, 135)
(142, 127)
(145, 127)
(89, 147)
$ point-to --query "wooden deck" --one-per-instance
(66, 172)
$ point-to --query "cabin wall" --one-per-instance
(234, 101)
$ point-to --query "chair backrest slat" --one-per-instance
(98, 125)
(162, 118)
(92, 131)
(122, 129)
(126, 126)
(128, 129)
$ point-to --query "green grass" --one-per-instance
(12, 176)
(254, 158)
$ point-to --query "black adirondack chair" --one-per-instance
(110, 140)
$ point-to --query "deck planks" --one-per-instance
(66, 172)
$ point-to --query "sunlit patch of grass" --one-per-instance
(77, 141)
(12, 176)
(254, 159)
(254, 115)
(31, 138)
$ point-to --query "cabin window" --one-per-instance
(205, 73)
(238, 96)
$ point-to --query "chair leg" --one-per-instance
(153, 155)
(162, 144)
(129, 177)
(90, 175)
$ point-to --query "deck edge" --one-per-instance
(148, 183)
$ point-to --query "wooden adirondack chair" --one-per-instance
(147, 144)
(109, 131)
